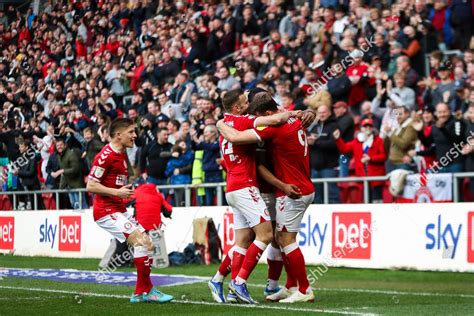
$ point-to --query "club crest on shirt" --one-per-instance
(121, 179)
(98, 172)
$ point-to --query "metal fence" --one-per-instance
(220, 189)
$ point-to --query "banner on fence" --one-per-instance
(412, 236)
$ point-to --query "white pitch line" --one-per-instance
(280, 308)
(386, 292)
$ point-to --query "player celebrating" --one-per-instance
(251, 217)
(291, 165)
(108, 180)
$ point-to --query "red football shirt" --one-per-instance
(148, 205)
(110, 170)
(239, 159)
(265, 153)
(290, 154)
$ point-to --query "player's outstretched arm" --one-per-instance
(237, 137)
(275, 119)
(290, 189)
(124, 192)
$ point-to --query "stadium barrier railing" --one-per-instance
(220, 189)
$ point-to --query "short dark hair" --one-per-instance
(263, 102)
(161, 130)
(230, 99)
(119, 124)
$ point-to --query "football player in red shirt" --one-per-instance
(291, 165)
(108, 180)
(251, 217)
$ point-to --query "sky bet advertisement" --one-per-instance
(434, 237)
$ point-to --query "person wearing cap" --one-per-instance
(345, 123)
(369, 156)
(445, 90)
(357, 74)
(459, 102)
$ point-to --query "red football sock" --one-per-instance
(296, 260)
(237, 261)
(226, 265)
(251, 259)
(143, 275)
(290, 278)
(148, 282)
(275, 263)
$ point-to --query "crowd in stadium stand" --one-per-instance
(362, 65)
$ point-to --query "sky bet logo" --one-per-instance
(351, 235)
(312, 235)
(443, 236)
(69, 233)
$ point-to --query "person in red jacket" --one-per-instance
(149, 205)
(369, 155)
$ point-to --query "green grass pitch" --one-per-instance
(338, 292)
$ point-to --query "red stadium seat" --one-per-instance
(5, 204)
(49, 201)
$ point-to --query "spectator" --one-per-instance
(28, 174)
(447, 132)
(208, 142)
(70, 173)
(91, 147)
(468, 148)
(152, 163)
(425, 156)
(227, 82)
(369, 156)
(324, 155)
(401, 95)
(445, 90)
(345, 123)
(179, 169)
(366, 112)
(400, 141)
